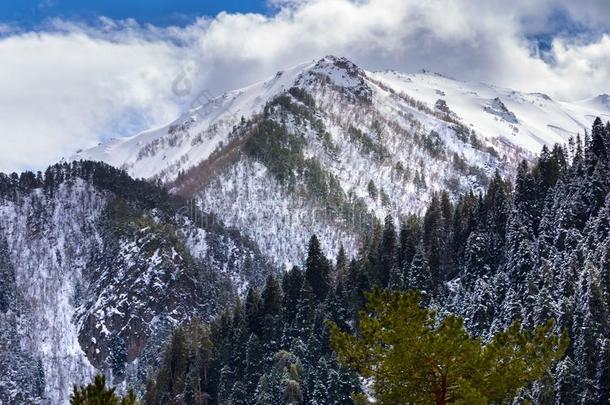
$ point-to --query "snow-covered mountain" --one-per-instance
(377, 143)
(527, 120)
(96, 270)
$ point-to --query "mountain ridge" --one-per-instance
(224, 111)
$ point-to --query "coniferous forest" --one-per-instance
(305, 202)
(528, 261)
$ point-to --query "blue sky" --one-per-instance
(70, 79)
(31, 14)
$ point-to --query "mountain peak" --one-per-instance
(339, 72)
(331, 63)
(603, 99)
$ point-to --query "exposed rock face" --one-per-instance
(497, 107)
(96, 272)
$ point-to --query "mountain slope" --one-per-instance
(532, 120)
(361, 145)
(527, 120)
(99, 270)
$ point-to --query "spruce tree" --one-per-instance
(317, 269)
(341, 267)
(292, 282)
(253, 311)
(387, 253)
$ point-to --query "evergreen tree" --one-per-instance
(7, 276)
(408, 239)
(320, 378)
(317, 269)
(566, 387)
(239, 395)
(603, 373)
(306, 310)
(341, 267)
(253, 363)
(292, 282)
(387, 253)
(420, 276)
(410, 359)
(96, 393)
(225, 385)
(253, 311)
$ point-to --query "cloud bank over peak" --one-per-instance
(69, 85)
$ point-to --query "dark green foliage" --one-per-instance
(414, 359)
(146, 194)
(434, 144)
(317, 269)
(303, 96)
(7, 276)
(265, 350)
(292, 282)
(97, 393)
(533, 250)
(280, 151)
(387, 253)
(368, 144)
(186, 368)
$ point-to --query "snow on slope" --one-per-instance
(539, 120)
(360, 134)
(192, 137)
(49, 251)
(92, 282)
(424, 132)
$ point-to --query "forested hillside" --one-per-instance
(532, 250)
(96, 271)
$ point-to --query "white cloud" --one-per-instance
(72, 85)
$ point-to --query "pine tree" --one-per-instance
(341, 267)
(253, 363)
(7, 276)
(525, 198)
(239, 394)
(566, 387)
(419, 274)
(292, 282)
(410, 359)
(598, 152)
(306, 310)
(96, 393)
(602, 374)
(253, 312)
(317, 269)
(387, 253)
(592, 321)
(408, 239)
(225, 385)
(169, 380)
(477, 258)
(270, 311)
(320, 378)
